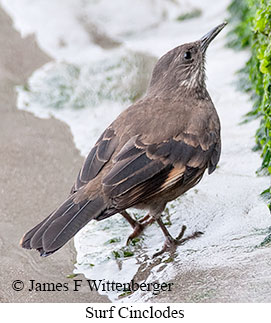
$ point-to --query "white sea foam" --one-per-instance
(225, 206)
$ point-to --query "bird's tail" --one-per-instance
(60, 226)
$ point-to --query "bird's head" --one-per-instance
(182, 68)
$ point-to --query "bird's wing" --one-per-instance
(141, 170)
(99, 155)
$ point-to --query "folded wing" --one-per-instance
(143, 170)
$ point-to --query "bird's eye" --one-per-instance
(187, 55)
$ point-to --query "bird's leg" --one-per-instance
(171, 243)
(138, 226)
(146, 217)
(128, 217)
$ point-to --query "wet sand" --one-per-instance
(38, 163)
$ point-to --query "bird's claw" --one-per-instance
(181, 234)
(171, 244)
(138, 228)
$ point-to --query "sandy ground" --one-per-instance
(38, 162)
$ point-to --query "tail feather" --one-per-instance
(27, 237)
(62, 229)
(59, 227)
(36, 240)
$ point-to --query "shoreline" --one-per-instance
(38, 163)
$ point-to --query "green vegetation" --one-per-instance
(122, 253)
(189, 15)
(127, 293)
(113, 240)
(116, 254)
(72, 276)
(251, 21)
(134, 241)
(168, 260)
(127, 253)
(266, 241)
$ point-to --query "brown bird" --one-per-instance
(155, 150)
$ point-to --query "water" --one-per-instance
(88, 85)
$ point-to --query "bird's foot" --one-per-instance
(171, 244)
(139, 226)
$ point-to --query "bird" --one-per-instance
(152, 153)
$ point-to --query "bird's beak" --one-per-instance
(206, 39)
